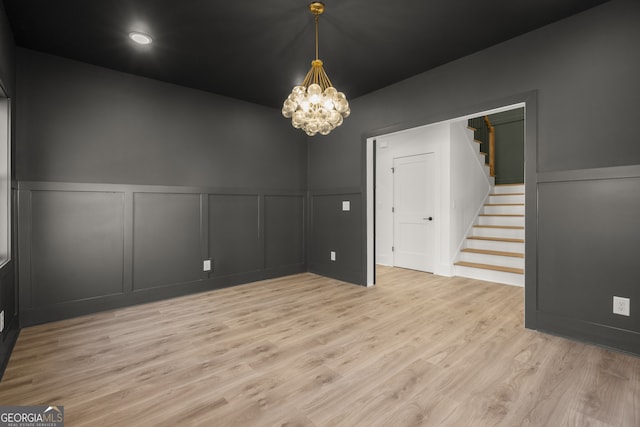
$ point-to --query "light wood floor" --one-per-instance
(309, 351)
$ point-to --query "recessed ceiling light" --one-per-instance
(140, 38)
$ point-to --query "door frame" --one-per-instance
(526, 99)
(418, 140)
(6, 172)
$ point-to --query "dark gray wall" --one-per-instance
(589, 230)
(335, 230)
(127, 184)
(8, 289)
(583, 117)
(7, 54)
(82, 123)
(561, 62)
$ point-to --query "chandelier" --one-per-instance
(315, 106)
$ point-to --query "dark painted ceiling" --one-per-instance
(257, 50)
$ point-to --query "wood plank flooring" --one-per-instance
(303, 350)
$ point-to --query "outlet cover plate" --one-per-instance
(621, 306)
(333, 255)
(206, 265)
(1, 320)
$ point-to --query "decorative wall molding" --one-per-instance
(88, 247)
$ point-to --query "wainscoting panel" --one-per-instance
(284, 230)
(588, 239)
(8, 299)
(166, 239)
(336, 230)
(235, 241)
(589, 243)
(89, 247)
(76, 245)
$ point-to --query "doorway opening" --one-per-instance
(411, 143)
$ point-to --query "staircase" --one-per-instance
(494, 249)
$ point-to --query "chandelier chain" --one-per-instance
(317, 18)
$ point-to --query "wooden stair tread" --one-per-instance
(497, 253)
(472, 128)
(478, 141)
(496, 239)
(490, 267)
(510, 227)
(509, 215)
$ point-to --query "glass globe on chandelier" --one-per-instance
(315, 106)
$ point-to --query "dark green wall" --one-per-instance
(579, 78)
(8, 289)
(509, 143)
(509, 128)
(127, 184)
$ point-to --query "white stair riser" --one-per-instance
(490, 275)
(508, 233)
(495, 246)
(515, 207)
(501, 189)
(517, 210)
(501, 220)
(503, 261)
(519, 198)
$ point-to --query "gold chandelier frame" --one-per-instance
(317, 74)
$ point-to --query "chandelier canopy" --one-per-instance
(315, 106)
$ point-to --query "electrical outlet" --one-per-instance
(333, 255)
(622, 306)
(206, 265)
(1, 320)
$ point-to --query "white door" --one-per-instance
(413, 212)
